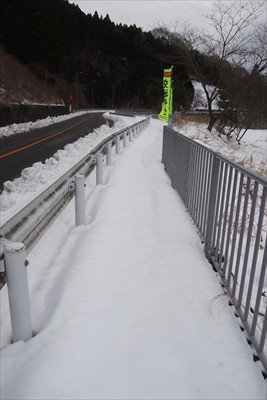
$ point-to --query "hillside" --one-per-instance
(18, 84)
(109, 64)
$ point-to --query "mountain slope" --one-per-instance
(18, 84)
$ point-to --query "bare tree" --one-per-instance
(232, 23)
(244, 102)
(258, 51)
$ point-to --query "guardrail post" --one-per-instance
(117, 144)
(99, 169)
(79, 200)
(108, 157)
(18, 291)
(125, 139)
(131, 135)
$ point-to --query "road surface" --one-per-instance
(21, 151)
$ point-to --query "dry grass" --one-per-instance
(182, 118)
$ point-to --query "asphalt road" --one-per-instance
(22, 150)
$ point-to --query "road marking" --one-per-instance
(41, 140)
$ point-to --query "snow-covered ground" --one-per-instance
(126, 306)
(251, 153)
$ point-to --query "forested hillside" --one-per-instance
(109, 65)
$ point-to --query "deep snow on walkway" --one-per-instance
(127, 306)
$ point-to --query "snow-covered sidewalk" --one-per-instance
(127, 306)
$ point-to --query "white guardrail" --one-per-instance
(29, 224)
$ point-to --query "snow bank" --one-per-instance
(15, 129)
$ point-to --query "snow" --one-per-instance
(126, 306)
(200, 99)
(15, 129)
(251, 153)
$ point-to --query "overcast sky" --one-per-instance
(148, 13)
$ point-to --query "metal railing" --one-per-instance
(228, 205)
(29, 224)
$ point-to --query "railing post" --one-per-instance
(18, 291)
(117, 144)
(99, 169)
(108, 157)
(125, 139)
(211, 204)
(79, 200)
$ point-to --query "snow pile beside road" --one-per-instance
(15, 129)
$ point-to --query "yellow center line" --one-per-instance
(41, 140)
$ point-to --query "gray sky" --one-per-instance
(147, 14)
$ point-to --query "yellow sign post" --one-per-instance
(166, 110)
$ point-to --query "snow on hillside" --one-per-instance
(251, 153)
(200, 100)
(18, 84)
